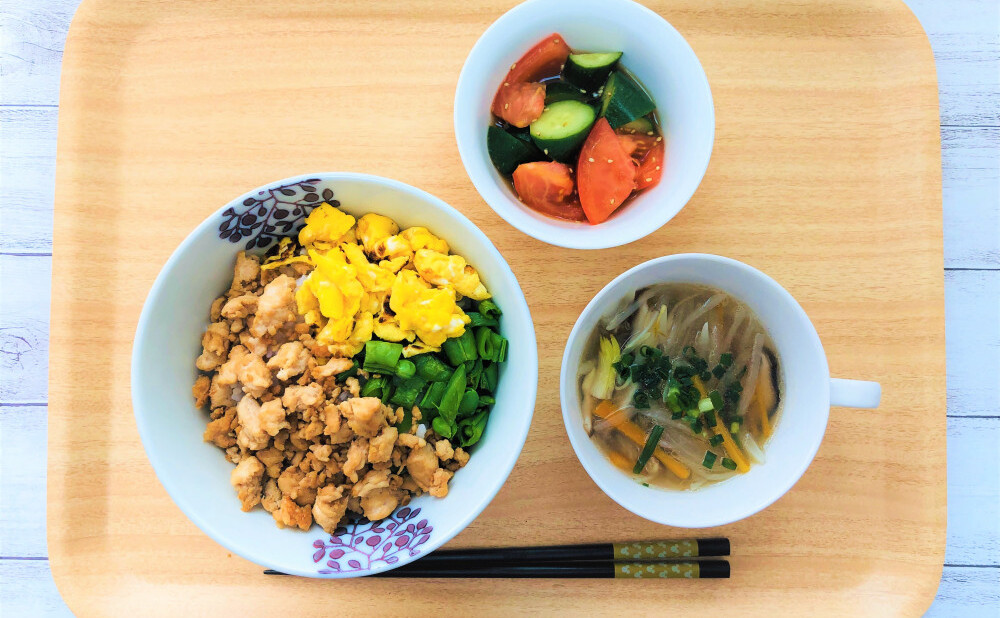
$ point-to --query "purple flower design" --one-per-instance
(273, 213)
(365, 545)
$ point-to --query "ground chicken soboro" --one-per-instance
(306, 449)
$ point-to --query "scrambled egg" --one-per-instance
(371, 279)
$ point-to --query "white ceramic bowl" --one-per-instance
(808, 393)
(195, 473)
(654, 52)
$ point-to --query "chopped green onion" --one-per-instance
(716, 399)
(489, 309)
(647, 450)
(710, 419)
(734, 427)
(677, 415)
(696, 425)
(623, 365)
(486, 400)
(650, 352)
(718, 371)
(645, 484)
(715, 440)
(726, 360)
(501, 355)
(705, 376)
(490, 378)
(728, 463)
(486, 345)
(705, 405)
(460, 349)
(640, 400)
(405, 369)
(709, 460)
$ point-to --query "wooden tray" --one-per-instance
(826, 175)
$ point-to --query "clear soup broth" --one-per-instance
(681, 386)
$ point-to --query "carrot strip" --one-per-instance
(720, 429)
(620, 461)
(630, 430)
(765, 422)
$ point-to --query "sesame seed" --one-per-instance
(506, 105)
(657, 168)
(659, 139)
(556, 41)
(612, 201)
(546, 151)
(591, 159)
(506, 83)
(650, 133)
(649, 180)
(512, 66)
(611, 160)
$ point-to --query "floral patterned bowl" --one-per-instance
(195, 473)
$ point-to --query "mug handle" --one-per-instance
(854, 393)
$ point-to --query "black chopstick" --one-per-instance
(657, 551)
(698, 569)
(638, 560)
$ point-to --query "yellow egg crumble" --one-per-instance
(370, 278)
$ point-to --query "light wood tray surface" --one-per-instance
(826, 175)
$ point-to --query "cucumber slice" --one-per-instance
(639, 126)
(508, 151)
(623, 100)
(562, 127)
(562, 91)
(590, 71)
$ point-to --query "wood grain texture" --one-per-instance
(27, 178)
(34, 34)
(22, 481)
(973, 495)
(27, 589)
(970, 159)
(973, 313)
(23, 328)
(966, 40)
(968, 592)
(198, 102)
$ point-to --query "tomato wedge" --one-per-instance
(605, 173)
(636, 146)
(522, 103)
(651, 168)
(547, 186)
(545, 59)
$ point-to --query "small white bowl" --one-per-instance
(654, 52)
(195, 473)
(808, 394)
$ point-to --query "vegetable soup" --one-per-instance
(681, 387)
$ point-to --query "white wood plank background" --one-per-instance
(965, 35)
